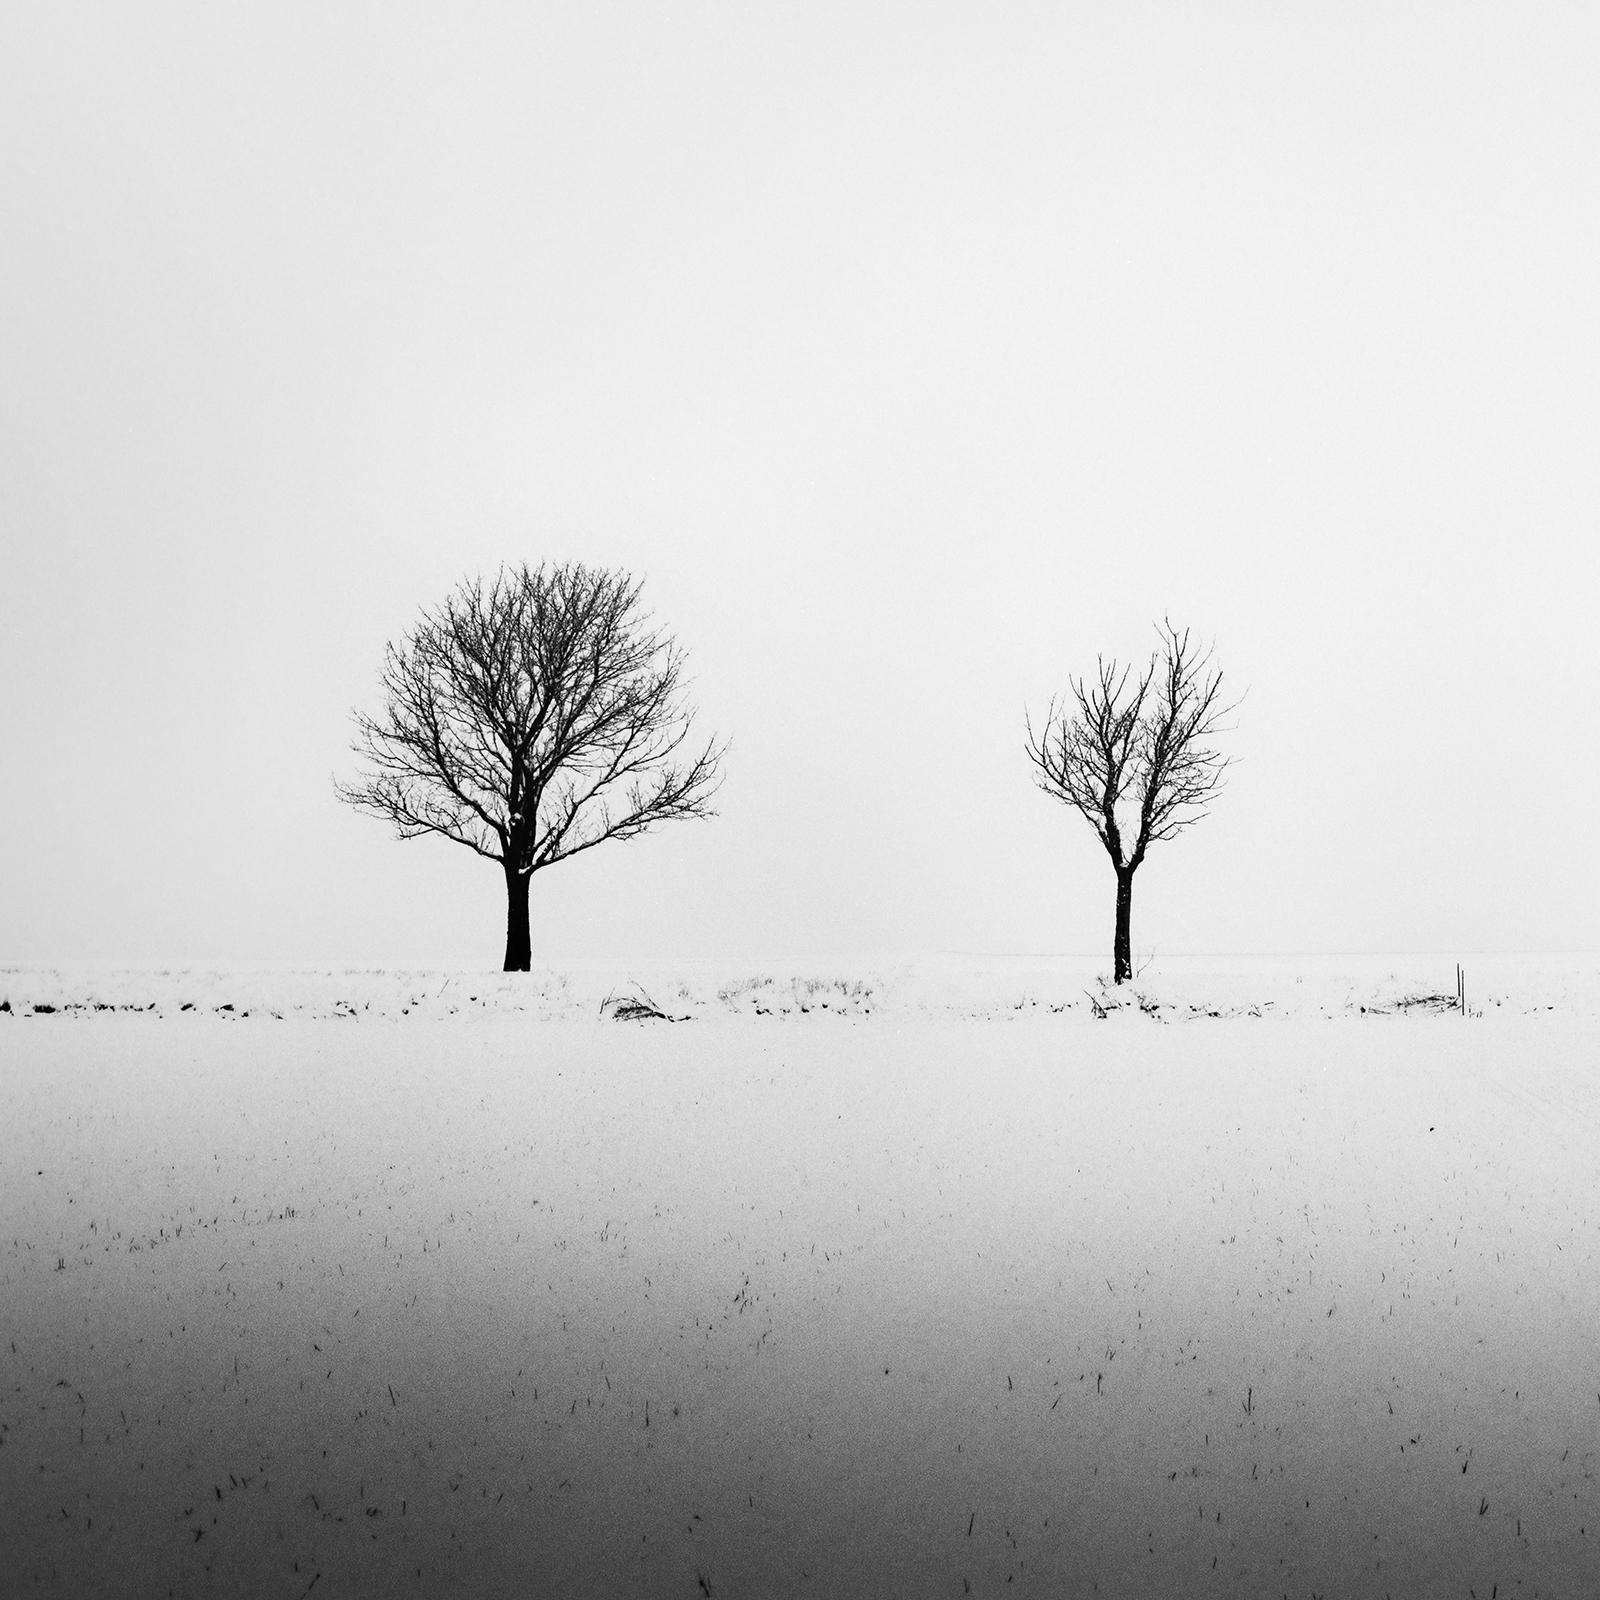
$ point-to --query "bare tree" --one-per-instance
(531, 718)
(1135, 756)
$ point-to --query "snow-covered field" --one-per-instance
(960, 1278)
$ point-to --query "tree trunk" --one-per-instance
(1122, 950)
(519, 944)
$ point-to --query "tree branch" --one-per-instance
(530, 718)
(1136, 757)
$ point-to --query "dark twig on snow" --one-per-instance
(637, 1007)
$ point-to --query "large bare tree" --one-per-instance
(530, 718)
(1135, 756)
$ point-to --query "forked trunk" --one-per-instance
(1122, 950)
(519, 944)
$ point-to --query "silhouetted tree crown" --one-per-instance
(529, 718)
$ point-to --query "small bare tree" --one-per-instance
(531, 718)
(1135, 757)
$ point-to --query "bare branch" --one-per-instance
(1137, 757)
(1087, 753)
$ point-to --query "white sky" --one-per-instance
(913, 354)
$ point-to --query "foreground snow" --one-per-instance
(924, 1303)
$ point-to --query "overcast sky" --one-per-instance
(913, 355)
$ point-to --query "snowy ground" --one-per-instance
(1172, 988)
(950, 1279)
